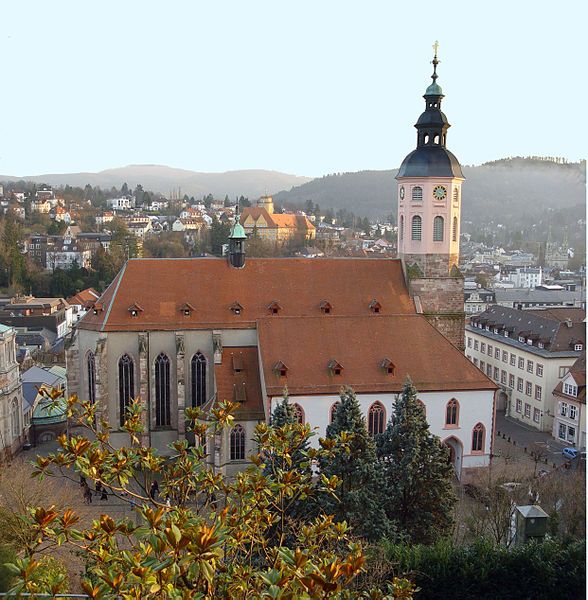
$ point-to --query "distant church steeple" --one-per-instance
(237, 239)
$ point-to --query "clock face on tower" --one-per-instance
(402, 192)
(439, 192)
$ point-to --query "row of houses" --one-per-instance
(537, 357)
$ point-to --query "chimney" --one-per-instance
(568, 322)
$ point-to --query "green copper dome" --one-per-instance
(434, 90)
(237, 232)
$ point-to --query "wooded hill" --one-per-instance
(507, 190)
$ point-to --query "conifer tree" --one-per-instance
(359, 495)
(416, 472)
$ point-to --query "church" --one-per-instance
(195, 331)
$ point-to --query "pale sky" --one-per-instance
(304, 87)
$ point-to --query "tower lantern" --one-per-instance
(237, 239)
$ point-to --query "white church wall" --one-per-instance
(474, 407)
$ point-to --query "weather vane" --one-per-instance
(435, 62)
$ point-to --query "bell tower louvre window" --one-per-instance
(417, 228)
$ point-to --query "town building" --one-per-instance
(526, 353)
(569, 423)
(526, 298)
(526, 277)
(122, 203)
(12, 433)
(192, 332)
(26, 312)
(261, 220)
(477, 300)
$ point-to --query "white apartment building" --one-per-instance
(569, 423)
(527, 277)
(526, 353)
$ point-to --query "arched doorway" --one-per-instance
(455, 454)
(501, 400)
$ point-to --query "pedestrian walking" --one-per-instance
(87, 494)
(104, 495)
(98, 488)
(154, 490)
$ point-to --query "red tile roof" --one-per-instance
(233, 385)
(211, 286)
(360, 344)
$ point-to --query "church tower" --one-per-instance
(429, 207)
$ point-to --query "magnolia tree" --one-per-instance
(204, 536)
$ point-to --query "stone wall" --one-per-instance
(432, 265)
(441, 300)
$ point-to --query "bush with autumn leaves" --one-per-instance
(203, 536)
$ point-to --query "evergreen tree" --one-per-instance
(416, 472)
(359, 495)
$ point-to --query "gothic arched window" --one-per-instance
(376, 419)
(198, 380)
(456, 194)
(417, 228)
(91, 369)
(452, 413)
(478, 434)
(299, 414)
(454, 233)
(15, 418)
(401, 228)
(333, 411)
(417, 194)
(126, 385)
(237, 443)
(438, 226)
(162, 392)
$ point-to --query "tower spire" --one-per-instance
(435, 62)
(237, 239)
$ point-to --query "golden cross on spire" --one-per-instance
(436, 47)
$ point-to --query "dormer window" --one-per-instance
(238, 365)
(98, 308)
(236, 308)
(387, 366)
(239, 392)
(135, 309)
(335, 367)
(326, 307)
(375, 306)
(280, 369)
(274, 308)
(186, 309)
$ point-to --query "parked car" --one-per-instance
(570, 452)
